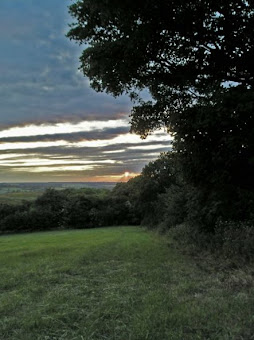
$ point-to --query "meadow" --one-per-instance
(16, 193)
(118, 283)
(17, 197)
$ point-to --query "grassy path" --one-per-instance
(116, 283)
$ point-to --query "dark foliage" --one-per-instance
(71, 209)
(196, 59)
(160, 44)
(82, 212)
(52, 204)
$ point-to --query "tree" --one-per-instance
(196, 59)
(51, 204)
(82, 212)
(182, 51)
(179, 50)
(216, 145)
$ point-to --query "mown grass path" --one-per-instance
(115, 283)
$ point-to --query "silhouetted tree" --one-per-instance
(196, 59)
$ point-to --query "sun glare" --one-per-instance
(126, 174)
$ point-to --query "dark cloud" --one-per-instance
(134, 159)
(39, 68)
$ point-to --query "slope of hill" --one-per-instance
(117, 283)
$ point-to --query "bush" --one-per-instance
(191, 237)
(81, 212)
(15, 222)
(235, 239)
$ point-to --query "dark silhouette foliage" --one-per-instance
(196, 60)
(81, 212)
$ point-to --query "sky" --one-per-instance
(53, 126)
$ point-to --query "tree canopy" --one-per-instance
(182, 51)
(174, 43)
(170, 46)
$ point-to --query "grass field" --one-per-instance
(17, 197)
(29, 191)
(15, 193)
(117, 283)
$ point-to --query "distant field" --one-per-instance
(117, 283)
(9, 187)
(16, 197)
(15, 193)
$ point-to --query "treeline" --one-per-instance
(160, 198)
(69, 208)
(139, 201)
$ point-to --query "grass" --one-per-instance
(117, 283)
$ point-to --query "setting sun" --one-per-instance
(126, 174)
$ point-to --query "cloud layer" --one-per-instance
(52, 125)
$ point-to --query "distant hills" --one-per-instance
(37, 186)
